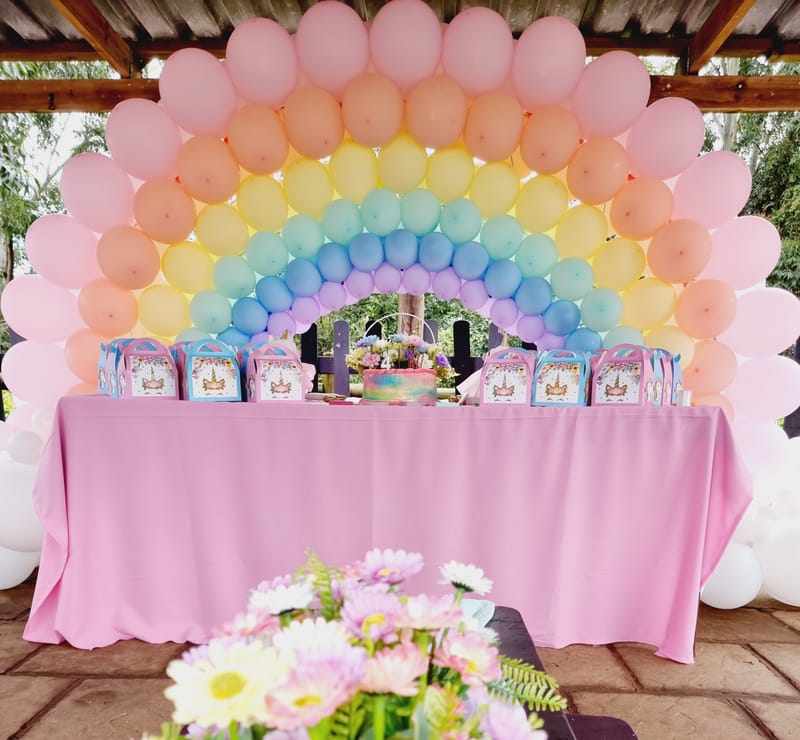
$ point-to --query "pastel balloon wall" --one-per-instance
(306, 172)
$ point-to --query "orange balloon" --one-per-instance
(549, 139)
(81, 352)
(641, 208)
(128, 257)
(82, 389)
(712, 368)
(257, 139)
(372, 108)
(207, 169)
(164, 211)
(436, 110)
(706, 308)
(494, 125)
(107, 308)
(313, 121)
(598, 170)
(718, 400)
(679, 252)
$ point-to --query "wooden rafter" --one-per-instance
(93, 26)
(87, 96)
(719, 25)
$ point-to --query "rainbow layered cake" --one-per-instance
(417, 386)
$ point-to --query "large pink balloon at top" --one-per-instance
(37, 372)
(666, 138)
(477, 50)
(766, 388)
(767, 322)
(97, 191)
(548, 61)
(261, 60)
(62, 250)
(38, 309)
(197, 92)
(713, 189)
(405, 40)
(611, 94)
(143, 139)
(332, 45)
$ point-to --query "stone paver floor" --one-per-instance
(744, 684)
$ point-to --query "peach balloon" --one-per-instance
(401, 164)
(598, 170)
(107, 308)
(647, 303)
(188, 267)
(549, 140)
(641, 208)
(82, 389)
(674, 340)
(207, 169)
(449, 174)
(257, 139)
(494, 126)
(618, 263)
(164, 211)
(354, 170)
(712, 368)
(372, 108)
(262, 202)
(164, 311)
(679, 251)
(81, 351)
(706, 308)
(313, 121)
(541, 203)
(718, 400)
(436, 111)
(581, 232)
(128, 257)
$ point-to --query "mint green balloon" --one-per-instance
(303, 236)
(342, 221)
(601, 309)
(211, 311)
(233, 277)
(420, 211)
(623, 335)
(380, 211)
(266, 253)
(192, 334)
(502, 235)
(536, 255)
(460, 221)
(571, 278)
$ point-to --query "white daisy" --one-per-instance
(465, 577)
(282, 598)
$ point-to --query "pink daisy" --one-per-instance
(468, 654)
(391, 566)
(395, 670)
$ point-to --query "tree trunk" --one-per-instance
(414, 305)
(6, 258)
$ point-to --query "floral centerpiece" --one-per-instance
(330, 654)
(399, 350)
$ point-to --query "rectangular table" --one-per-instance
(599, 524)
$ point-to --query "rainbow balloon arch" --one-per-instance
(307, 172)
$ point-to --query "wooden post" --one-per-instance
(414, 305)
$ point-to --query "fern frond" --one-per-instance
(322, 583)
(531, 687)
(348, 719)
(441, 708)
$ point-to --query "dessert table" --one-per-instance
(599, 524)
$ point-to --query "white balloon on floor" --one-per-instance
(780, 562)
(20, 528)
(736, 580)
(16, 566)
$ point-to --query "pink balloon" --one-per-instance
(767, 322)
(530, 328)
(611, 94)
(743, 252)
(332, 296)
(713, 189)
(62, 250)
(548, 62)
(143, 139)
(37, 372)
(766, 388)
(550, 341)
(666, 138)
(281, 322)
(305, 309)
(388, 278)
(762, 444)
(405, 41)
(38, 309)
(446, 284)
(261, 61)
(97, 191)
(197, 92)
(359, 284)
(478, 49)
(473, 294)
(22, 416)
(332, 45)
(416, 279)
(504, 313)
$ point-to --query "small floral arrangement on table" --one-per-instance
(399, 350)
(342, 654)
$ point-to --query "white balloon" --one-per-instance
(761, 443)
(42, 421)
(20, 528)
(780, 563)
(736, 580)
(5, 433)
(25, 447)
(16, 566)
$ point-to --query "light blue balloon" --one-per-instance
(561, 318)
(302, 277)
(470, 261)
(249, 316)
(533, 296)
(502, 235)
(233, 337)
(601, 309)
(420, 211)
(266, 253)
(502, 279)
(342, 221)
(210, 311)
(572, 278)
(234, 277)
(366, 252)
(273, 293)
(623, 335)
(460, 221)
(536, 255)
(192, 334)
(435, 251)
(401, 248)
(303, 236)
(333, 262)
(584, 339)
(380, 211)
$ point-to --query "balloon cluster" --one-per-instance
(306, 172)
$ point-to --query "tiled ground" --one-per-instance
(745, 682)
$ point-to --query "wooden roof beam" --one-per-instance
(86, 96)
(710, 37)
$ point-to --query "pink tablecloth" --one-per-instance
(600, 525)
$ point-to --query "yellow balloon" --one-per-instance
(308, 187)
(674, 340)
(401, 164)
(618, 263)
(164, 311)
(541, 203)
(354, 170)
(188, 267)
(449, 173)
(647, 303)
(220, 230)
(581, 231)
(494, 189)
(262, 203)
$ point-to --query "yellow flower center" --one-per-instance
(471, 667)
(377, 619)
(307, 701)
(228, 684)
(387, 571)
